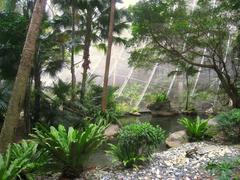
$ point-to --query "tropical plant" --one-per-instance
(24, 70)
(22, 160)
(225, 169)
(229, 123)
(136, 143)
(95, 29)
(69, 148)
(109, 115)
(196, 128)
(37, 158)
(161, 97)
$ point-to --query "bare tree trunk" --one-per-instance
(229, 87)
(19, 90)
(72, 52)
(27, 106)
(109, 50)
(86, 61)
(37, 86)
(187, 98)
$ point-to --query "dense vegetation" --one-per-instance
(57, 127)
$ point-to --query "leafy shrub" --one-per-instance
(136, 143)
(225, 169)
(196, 129)
(22, 160)
(70, 149)
(229, 123)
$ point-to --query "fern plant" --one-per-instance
(196, 129)
(70, 148)
(22, 161)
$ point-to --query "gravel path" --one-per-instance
(185, 162)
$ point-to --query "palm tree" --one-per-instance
(49, 59)
(70, 9)
(110, 40)
(95, 15)
(19, 90)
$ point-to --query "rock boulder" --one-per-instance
(177, 139)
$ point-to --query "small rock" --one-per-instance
(112, 130)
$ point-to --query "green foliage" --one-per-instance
(136, 143)
(225, 169)
(5, 92)
(12, 36)
(126, 102)
(196, 129)
(229, 123)
(109, 116)
(171, 24)
(22, 160)
(70, 148)
(92, 104)
(94, 95)
(161, 97)
(62, 90)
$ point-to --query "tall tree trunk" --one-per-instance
(188, 92)
(72, 52)
(86, 61)
(37, 86)
(19, 90)
(230, 88)
(108, 58)
(27, 107)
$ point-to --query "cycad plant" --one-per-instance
(196, 129)
(70, 148)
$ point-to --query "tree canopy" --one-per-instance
(174, 33)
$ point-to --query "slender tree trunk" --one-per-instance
(27, 106)
(37, 86)
(72, 52)
(19, 90)
(108, 58)
(86, 61)
(187, 99)
(235, 97)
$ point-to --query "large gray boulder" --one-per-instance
(176, 139)
(160, 106)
